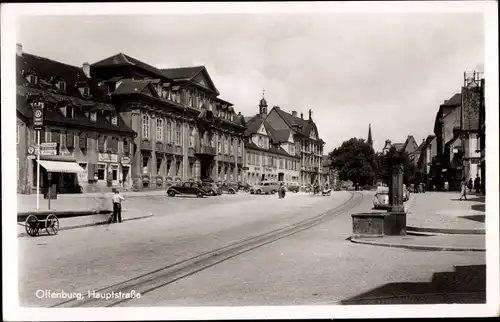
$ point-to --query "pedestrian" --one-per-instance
(446, 186)
(477, 183)
(469, 185)
(117, 207)
(281, 191)
(463, 189)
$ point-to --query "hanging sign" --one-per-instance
(38, 115)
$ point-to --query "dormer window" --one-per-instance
(93, 116)
(32, 79)
(114, 120)
(70, 112)
(85, 91)
(61, 85)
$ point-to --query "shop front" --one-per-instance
(108, 168)
(65, 172)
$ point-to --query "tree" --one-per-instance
(382, 166)
(354, 160)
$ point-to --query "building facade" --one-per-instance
(184, 130)
(308, 144)
(428, 152)
(270, 153)
(89, 143)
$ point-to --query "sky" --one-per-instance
(352, 69)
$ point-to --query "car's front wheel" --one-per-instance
(212, 193)
(199, 194)
(171, 193)
(231, 191)
(258, 192)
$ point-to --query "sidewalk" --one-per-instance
(443, 212)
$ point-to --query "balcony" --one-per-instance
(240, 160)
(178, 149)
(191, 151)
(146, 145)
(169, 148)
(159, 147)
(205, 149)
(231, 158)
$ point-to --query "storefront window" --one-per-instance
(101, 172)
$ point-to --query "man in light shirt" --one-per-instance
(117, 207)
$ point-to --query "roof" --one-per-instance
(49, 71)
(272, 149)
(291, 121)
(454, 100)
(253, 124)
(184, 73)
(398, 146)
(121, 59)
(278, 136)
(131, 86)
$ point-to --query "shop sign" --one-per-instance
(38, 115)
(108, 157)
(48, 148)
(126, 160)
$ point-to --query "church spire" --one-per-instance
(370, 141)
(263, 104)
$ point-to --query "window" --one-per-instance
(145, 126)
(93, 116)
(219, 147)
(170, 130)
(55, 136)
(70, 112)
(101, 172)
(112, 144)
(61, 85)
(70, 140)
(101, 141)
(114, 120)
(178, 134)
(200, 101)
(191, 137)
(86, 91)
(42, 136)
(82, 141)
(190, 98)
(159, 130)
(32, 79)
(126, 146)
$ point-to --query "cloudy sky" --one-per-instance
(390, 70)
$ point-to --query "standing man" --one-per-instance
(117, 207)
(463, 189)
(477, 183)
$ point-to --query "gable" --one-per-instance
(262, 130)
(203, 79)
(290, 137)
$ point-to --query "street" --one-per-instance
(313, 266)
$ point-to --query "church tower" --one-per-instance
(370, 141)
(263, 105)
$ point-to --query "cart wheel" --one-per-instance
(52, 224)
(32, 225)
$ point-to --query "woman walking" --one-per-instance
(469, 185)
(463, 189)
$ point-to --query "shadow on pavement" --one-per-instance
(466, 284)
(478, 218)
(479, 207)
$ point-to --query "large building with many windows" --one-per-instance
(308, 144)
(184, 130)
(89, 144)
(271, 153)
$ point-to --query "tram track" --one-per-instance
(169, 274)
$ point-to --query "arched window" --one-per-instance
(159, 130)
(145, 126)
(170, 132)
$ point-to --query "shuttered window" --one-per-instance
(113, 144)
(126, 146)
(101, 143)
(55, 136)
(70, 140)
(82, 141)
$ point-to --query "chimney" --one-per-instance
(294, 113)
(302, 115)
(19, 50)
(86, 69)
(276, 107)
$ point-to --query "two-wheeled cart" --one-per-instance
(34, 224)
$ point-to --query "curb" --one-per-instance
(92, 224)
(447, 231)
(417, 247)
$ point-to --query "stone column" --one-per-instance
(197, 170)
(396, 189)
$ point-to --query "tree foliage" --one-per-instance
(354, 160)
(383, 164)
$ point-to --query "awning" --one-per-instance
(60, 166)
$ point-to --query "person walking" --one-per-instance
(477, 183)
(469, 185)
(117, 207)
(463, 189)
(281, 191)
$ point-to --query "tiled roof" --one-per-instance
(272, 149)
(253, 124)
(121, 59)
(184, 73)
(290, 120)
(278, 136)
(131, 86)
(398, 146)
(454, 100)
(48, 72)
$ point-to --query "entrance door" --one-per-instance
(114, 175)
(125, 171)
(281, 176)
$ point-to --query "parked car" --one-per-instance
(211, 189)
(265, 187)
(293, 186)
(186, 188)
(228, 188)
(381, 198)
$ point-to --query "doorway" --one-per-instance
(125, 172)
(281, 176)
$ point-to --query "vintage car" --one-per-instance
(228, 188)
(265, 187)
(211, 189)
(186, 188)
(381, 198)
(293, 186)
